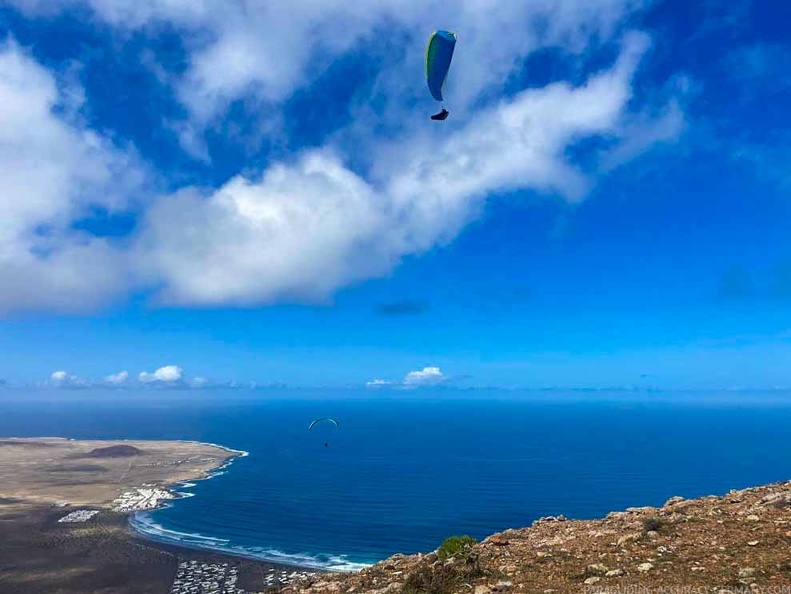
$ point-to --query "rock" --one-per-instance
(652, 534)
(503, 584)
(498, 541)
(482, 589)
(597, 569)
(752, 518)
(592, 580)
(542, 554)
(614, 573)
(673, 500)
(560, 518)
(752, 543)
(746, 572)
(644, 567)
(616, 515)
(627, 538)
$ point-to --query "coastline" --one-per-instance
(99, 550)
(141, 524)
(137, 500)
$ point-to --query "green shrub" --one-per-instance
(455, 546)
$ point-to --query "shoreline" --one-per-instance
(278, 559)
(136, 520)
(139, 524)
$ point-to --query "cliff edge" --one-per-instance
(739, 542)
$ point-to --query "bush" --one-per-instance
(455, 546)
(434, 576)
(650, 524)
(432, 580)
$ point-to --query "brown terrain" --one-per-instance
(88, 472)
(740, 542)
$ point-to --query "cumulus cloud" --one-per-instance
(63, 379)
(309, 227)
(59, 376)
(316, 221)
(117, 378)
(168, 374)
(428, 376)
(54, 171)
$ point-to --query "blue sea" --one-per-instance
(405, 469)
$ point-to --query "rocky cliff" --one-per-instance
(740, 542)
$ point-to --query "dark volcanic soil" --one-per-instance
(38, 555)
(115, 451)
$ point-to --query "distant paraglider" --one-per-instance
(439, 53)
(321, 420)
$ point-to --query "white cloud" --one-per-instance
(168, 374)
(270, 50)
(312, 224)
(117, 378)
(53, 172)
(307, 228)
(59, 376)
(63, 379)
(377, 383)
(428, 376)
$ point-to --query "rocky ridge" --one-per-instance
(739, 542)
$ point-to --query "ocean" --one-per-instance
(405, 469)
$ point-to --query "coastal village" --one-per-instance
(195, 577)
(143, 499)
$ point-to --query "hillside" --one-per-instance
(114, 451)
(737, 542)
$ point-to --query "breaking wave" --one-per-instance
(144, 524)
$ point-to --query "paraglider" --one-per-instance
(439, 53)
(320, 420)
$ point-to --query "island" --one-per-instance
(64, 507)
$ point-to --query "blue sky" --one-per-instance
(236, 193)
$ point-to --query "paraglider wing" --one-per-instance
(317, 421)
(438, 56)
